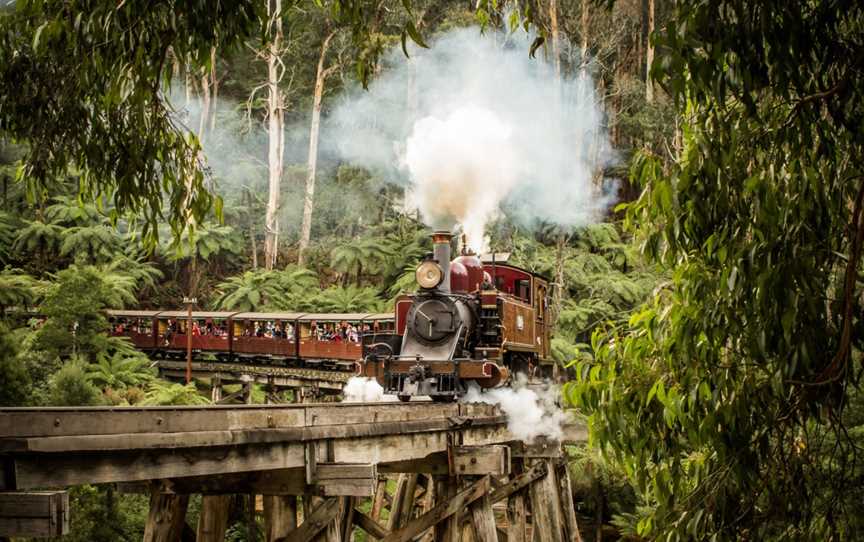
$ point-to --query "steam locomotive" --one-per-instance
(471, 321)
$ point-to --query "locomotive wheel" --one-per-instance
(404, 398)
(443, 398)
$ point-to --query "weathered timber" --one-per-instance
(314, 523)
(166, 518)
(541, 448)
(521, 481)
(545, 506)
(440, 512)
(380, 497)
(60, 470)
(341, 471)
(70, 421)
(213, 519)
(406, 510)
(481, 460)
(396, 503)
(432, 464)
(567, 506)
(372, 527)
(448, 530)
(347, 519)
(484, 520)
(517, 522)
(280, 516)
(124, 441)
(36, 513)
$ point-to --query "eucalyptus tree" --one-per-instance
(726, 399)
(84, 84)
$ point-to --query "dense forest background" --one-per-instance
(711, 323)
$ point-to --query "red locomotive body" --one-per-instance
(471, 321)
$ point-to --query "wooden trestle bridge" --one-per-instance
(459, 474)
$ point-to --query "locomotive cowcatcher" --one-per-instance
(471, 321)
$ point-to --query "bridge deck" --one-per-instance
(58, 447)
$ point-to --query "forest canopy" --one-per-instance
(709, 325)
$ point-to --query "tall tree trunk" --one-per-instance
(649, 55)
(276, 132)
(558, 292)
(214, 85)
(308, 200)
(205, 105)
(584, 36)
(247, 196)
(556, 43)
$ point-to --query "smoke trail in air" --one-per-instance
(474, 127)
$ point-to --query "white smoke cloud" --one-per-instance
(473, 126)
(360, 389)
(530, 414)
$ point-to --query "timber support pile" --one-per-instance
(399, 472)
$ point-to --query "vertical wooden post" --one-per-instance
(166, 517)
(450, 529)
(567, 506)
(216, 391)
(251, 526)
(280, 516)
(247, 392)
(546, 507)
(484, 520)
(427, 504)
(517, 530)
(347, 524)
(213, 519)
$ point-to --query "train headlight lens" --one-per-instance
(429, 275)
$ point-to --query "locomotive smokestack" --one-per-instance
(441, 251)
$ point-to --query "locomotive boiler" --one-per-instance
(470, 321)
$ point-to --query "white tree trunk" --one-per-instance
(205, 105)
(276, 132)
(214, 85)
(649, 55)
(308, 200)
(556, 42)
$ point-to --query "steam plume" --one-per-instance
(474, 127)
(529, 414)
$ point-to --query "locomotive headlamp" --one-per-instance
(429, 274)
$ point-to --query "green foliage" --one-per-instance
(100, 514)
(17, 289)
(350, 299)
(15, 381)
(114, 122)
(71, 387)
(206, 241)
(97, 243)
(120, 369)
(726, 399)
(261, 289)
(37, 237)
(367, 254)
(167, 393)
(72, 307)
